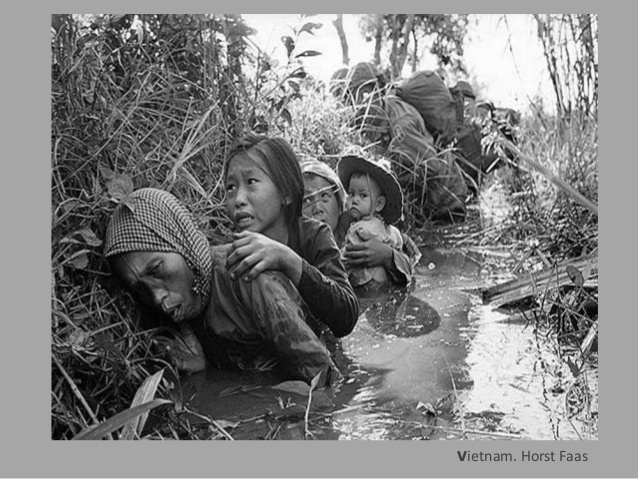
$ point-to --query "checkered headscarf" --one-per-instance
(155, 221)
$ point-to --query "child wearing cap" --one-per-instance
(375, 202)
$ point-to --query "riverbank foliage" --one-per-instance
(155, 101)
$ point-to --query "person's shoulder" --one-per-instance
(311, 225)
(314, 236)
(312, 229)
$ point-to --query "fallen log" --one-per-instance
(548, 279)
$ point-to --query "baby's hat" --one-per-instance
(381, 170)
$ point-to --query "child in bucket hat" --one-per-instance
(375, 202)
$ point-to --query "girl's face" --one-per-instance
(161, 280)
(320, 201)
(253, 201)
(364, 196)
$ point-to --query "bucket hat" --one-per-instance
(381, 170)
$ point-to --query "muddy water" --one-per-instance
(432, 363)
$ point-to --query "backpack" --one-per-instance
(432, 180)
(426, 91)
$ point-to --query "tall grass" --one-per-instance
(541, 205)
(126, 113)
(148, 101)
(156, 100)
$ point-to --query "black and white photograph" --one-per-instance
(327, 227)
(324, 227)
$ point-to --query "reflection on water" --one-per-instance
(433, 363)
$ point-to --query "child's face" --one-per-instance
(253, 201)
(364, 196)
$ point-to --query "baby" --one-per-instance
(375, 203)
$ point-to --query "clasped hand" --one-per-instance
(184, 351)
(252, 253)
(372, 252)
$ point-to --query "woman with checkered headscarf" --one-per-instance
(157, 251)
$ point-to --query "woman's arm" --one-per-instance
(398, 264)
(374, 252)
(312, 263)
(250, 254)
(324, 284)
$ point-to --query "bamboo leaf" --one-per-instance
(289, 43)
(308, 53)
(120, 419)
(294, 85)
(106, 173)
(298, 73)
(89, 237)
(309, 27)
(573, 367)
(575, 276)
(315, 381)
(144, 394)
(79, 259)
(295, 387)
(285, 114)
(120, 186)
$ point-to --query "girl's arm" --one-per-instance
(316, 271)
(251, 254)
(324, 284)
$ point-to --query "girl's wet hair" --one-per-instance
(282, 164)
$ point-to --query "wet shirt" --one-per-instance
(403, 261)
(324, 284)
(364, 230)
(259, 325)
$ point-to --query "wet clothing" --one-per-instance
(403, 261)
(363, 230)
(261, 325)
(429, 178)
(262, 322)
(419, 167)
(324, 284)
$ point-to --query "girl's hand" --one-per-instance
(253, 253)
(368, 254)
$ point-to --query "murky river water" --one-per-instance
(434, 363)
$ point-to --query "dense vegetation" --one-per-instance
(156, 100)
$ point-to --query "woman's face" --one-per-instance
(320, 201)
(160, 280)
(253, 201)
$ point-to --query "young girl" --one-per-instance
(264, 192)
